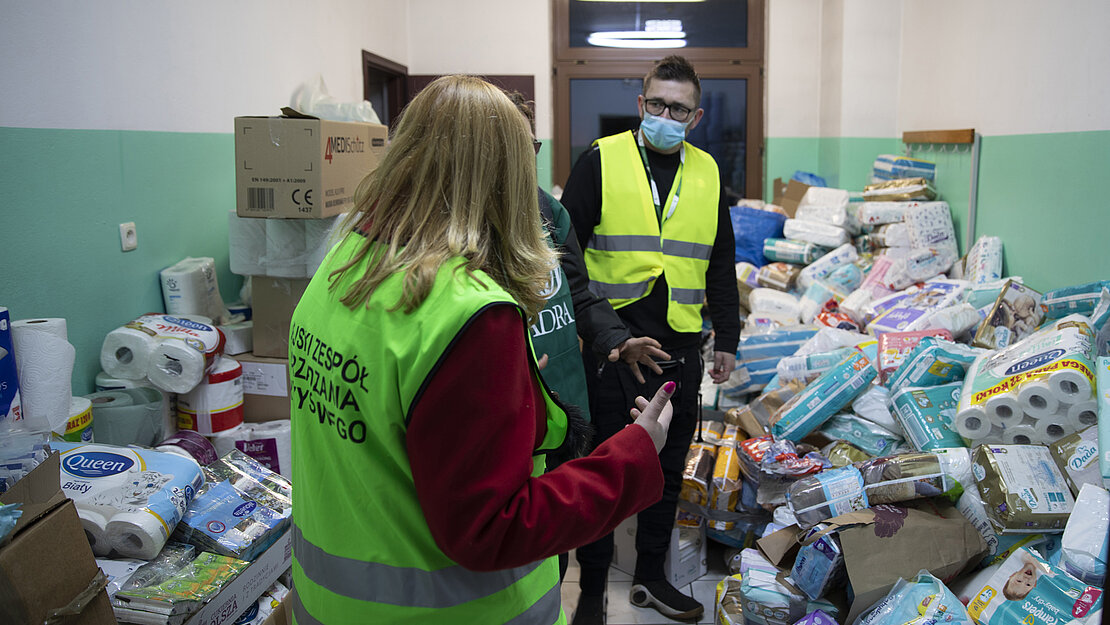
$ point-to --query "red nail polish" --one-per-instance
(669, 387)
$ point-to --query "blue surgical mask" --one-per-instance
(663, 133)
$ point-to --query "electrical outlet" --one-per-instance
(128, 237)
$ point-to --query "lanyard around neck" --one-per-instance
(654, 188)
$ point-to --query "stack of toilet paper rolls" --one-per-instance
(1035, 391)
(174, 353)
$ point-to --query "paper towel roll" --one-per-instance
(190, 287)
(1050, 429)
(126, 351)
(1021, 434)
(136, 534)
(131, 416)
(167, 416)
(972, 423)
(1083, 414)
(285, 248)
(1038, 400)
(96, 530)
(78, 427)
(1070, 386)
(44, 364)
(270, 443)
(175, 366)
(216, 404)
(1004, 409)
(189, 444)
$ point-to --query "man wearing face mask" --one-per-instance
(653, 223)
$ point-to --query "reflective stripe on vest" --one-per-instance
(629, 249)
(362, 550)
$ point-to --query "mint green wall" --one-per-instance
(67, 191)
(1045, 196)
(1041, 194)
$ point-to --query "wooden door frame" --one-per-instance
(397, 82)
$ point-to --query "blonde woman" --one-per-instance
(420, 423)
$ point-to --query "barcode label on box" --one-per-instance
(260, 198)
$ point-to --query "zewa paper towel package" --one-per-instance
(129, 499)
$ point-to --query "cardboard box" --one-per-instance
(301, 167)
(681, 566)
(48, 562)
(272, 304)
(788, 195)
(265, 388)
(245, 589)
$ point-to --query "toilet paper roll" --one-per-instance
(176, 367)
(189, 444)
(1070, 386)
(972, 423)
(247, 244)
(1050, 430)
(216, 404)
(1038, 400)
(78, 427)
(1021, 434)
(96, 530)
(1083, 414)
(285, 248)
(224, 442)
(136, 534)
(190, 286)
(1004, 409)
(131, 416)
(44, 365)
(126, 351)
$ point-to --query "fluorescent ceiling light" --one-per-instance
(644, 40)
(641, 0)
(638, 34)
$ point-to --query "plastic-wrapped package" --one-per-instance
(823, 234)
(1080, 298)
(846, 279)
(1083, 548)
(957, 320)
(1015, 315)
(182, 593)
(908, 312)
(698, 472)
(821, 267)
(824, 397)
(904, 477)
(933, 362)
(1100, 323)
(984, 260)
(773, 301)
(868, 436)
(816, 298)
(830, 493)
(1077, 456)
(873, 405)
(727, 480)
(790, 251)
(901, 189)
(264, 606)
(807, 367)
(766, 601)
(1022, 488)
(170, 560)
(923, 600)
(780, 276)
(893, 166)
(819, 565)
(843, 453)
(1027, 589)
(242, 509)
(774, 343)
(20, 452)
(927, 414)
(895, 346)
(825, 204)
(879, 213)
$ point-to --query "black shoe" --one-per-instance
(590, 610)
(659, 594)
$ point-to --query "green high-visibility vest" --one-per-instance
(629, 248)
(362, 550)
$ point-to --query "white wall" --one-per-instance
(183, 67)
(490, 37)
(876, 68)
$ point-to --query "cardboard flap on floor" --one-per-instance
(39, 492)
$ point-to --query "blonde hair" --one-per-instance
(459, 179)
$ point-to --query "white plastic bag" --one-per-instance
(312, 98)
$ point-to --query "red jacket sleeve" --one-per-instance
(470, 443)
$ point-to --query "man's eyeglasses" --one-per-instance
(655, 106)
(537, 145)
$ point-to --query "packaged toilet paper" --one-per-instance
(1027, 589)
(129, 499)
(173, 352)
(216, 403)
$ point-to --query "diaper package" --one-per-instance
(1027, 589)
(895, 346)
(1016, 314)
(790, 251)
(808, 366)
(766, 601)
(820, 268)
(926, 415)
(910, 312)
(1077, 456)
(1083, 548)
(779, 276)
(879, 213)
(773, 301)
(861, 433)
(776, 343)
(904, 477)
(1080, 298)
(830, 493)
(819, 565)
(984, 260)
(892, 166)
(819, 233)
(924, 600)
(873, 405)
(1023, 490)
(1103, 372)
(824, 397)
(932, 362)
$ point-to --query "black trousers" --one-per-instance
(613, 390)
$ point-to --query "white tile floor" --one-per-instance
(621, 612)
